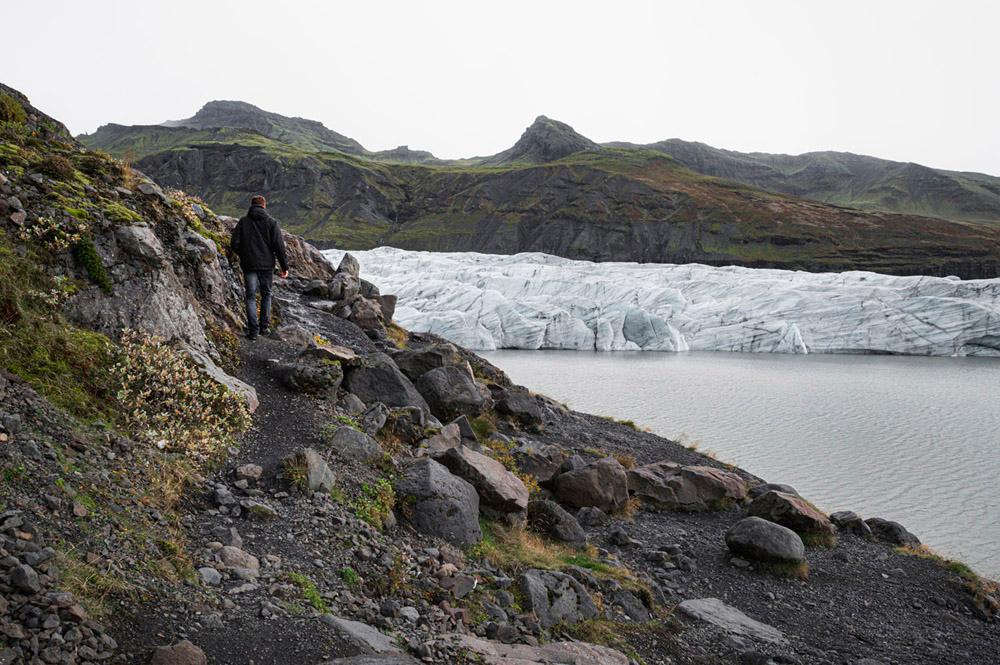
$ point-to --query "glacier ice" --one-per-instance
(539, 301)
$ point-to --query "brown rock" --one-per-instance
(693, 488)
(182, 653)
(792, 512)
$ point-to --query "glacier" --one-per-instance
(539, 301)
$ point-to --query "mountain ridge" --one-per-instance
(558, 192)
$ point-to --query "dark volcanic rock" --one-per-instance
(379, 380)
(891, 532)
(556, 597)
(439, 504)
(500, 491)
(846, 520)
(452, 392)
(791, 511)
(602, 484)
(414, 363)
(551, 519)
(759, 539)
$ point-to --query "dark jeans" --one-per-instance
(258, 280)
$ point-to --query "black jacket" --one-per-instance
(257, 241)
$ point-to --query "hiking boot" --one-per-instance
(251, 336)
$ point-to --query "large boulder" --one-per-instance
(452, 392)
(414, 363)
(551, 519)
(522, 406)
(355, 445)
(602, 484)
(449, 437)
(349, 264)
(542, 462)
(317, 377)
(693, 488)
(793, 512)
(379, 380)
(439, 504)
(563, 653)
(500, 491)
(555, 598)
(891, 532)
(761, 540)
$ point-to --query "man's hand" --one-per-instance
(283, 274)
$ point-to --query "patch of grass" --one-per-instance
(348, 421)
(309, 591)
(375, 503)
(798, 571)
(626, 460)
(621, 635)
(96, 591)
(483, 426)
(68, 365)
(503, 452)
(14, 473)
(86, 255)
(824, 540)
(983, 590)
(349, 576)
(399, 336)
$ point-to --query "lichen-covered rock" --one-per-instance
(555, 597)
(355, 445)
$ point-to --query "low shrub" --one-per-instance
(168, 402)
(11, 110)
(57, 166)
(375, 503)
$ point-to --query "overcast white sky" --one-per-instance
(908, 80)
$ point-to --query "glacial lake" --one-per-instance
(912, 439)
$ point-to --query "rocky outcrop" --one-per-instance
(670, 486)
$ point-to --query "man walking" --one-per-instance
(257, 241)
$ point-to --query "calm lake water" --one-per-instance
(912, 439)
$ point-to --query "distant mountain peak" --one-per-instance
(546, 140)
(298, 132)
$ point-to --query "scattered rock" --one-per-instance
(500, 491)
(414, 363)
(321, 378)
(847, 520)
(520, 405)
(379, 380)
(363, 634)
(730, 619)
(791, 511)
(891, 532)
(549, 518)
(182, 653)
(309, 470)
(354, 445)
